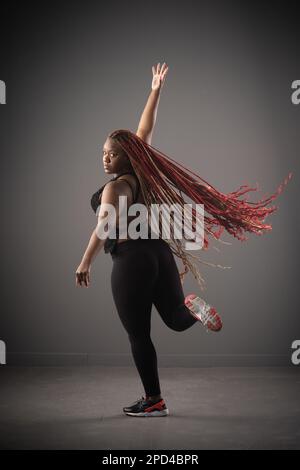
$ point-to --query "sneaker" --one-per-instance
(146, 408)
(203, 312)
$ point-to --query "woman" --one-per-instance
(144, 269)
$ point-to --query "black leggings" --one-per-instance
(145, 272)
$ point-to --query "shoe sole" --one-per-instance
(151, 414)
(216, 323)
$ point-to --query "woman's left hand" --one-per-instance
(159, 75)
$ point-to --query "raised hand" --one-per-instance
(159, 75)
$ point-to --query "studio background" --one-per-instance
(77, 71)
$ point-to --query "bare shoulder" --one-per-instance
(129, 177)
(113, 187)
(111, 193)
(116, 188)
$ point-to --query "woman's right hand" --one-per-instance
(83, 274)
(158, 76)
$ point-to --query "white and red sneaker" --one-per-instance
(201, 310)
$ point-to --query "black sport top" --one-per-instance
(110, 244)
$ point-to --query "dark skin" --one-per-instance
(115, 162)
(114, 158)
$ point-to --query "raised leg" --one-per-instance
(168, 294)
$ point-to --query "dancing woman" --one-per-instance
(144, 270)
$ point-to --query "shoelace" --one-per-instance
(144, 400)
(140, 400)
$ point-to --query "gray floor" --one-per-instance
(210, 408)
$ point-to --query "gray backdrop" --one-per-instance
(76, 72)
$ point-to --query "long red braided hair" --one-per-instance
(165, 181)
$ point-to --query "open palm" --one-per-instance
(159, 75)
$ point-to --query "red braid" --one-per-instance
(163, 180)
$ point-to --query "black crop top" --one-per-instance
(110, 243)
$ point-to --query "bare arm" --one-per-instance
(94, 246)
(148, 118)
(110, 195)
(83, 271)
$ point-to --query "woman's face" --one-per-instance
(114, 158)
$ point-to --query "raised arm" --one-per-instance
(148, 118)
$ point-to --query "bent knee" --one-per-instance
(177, 327)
